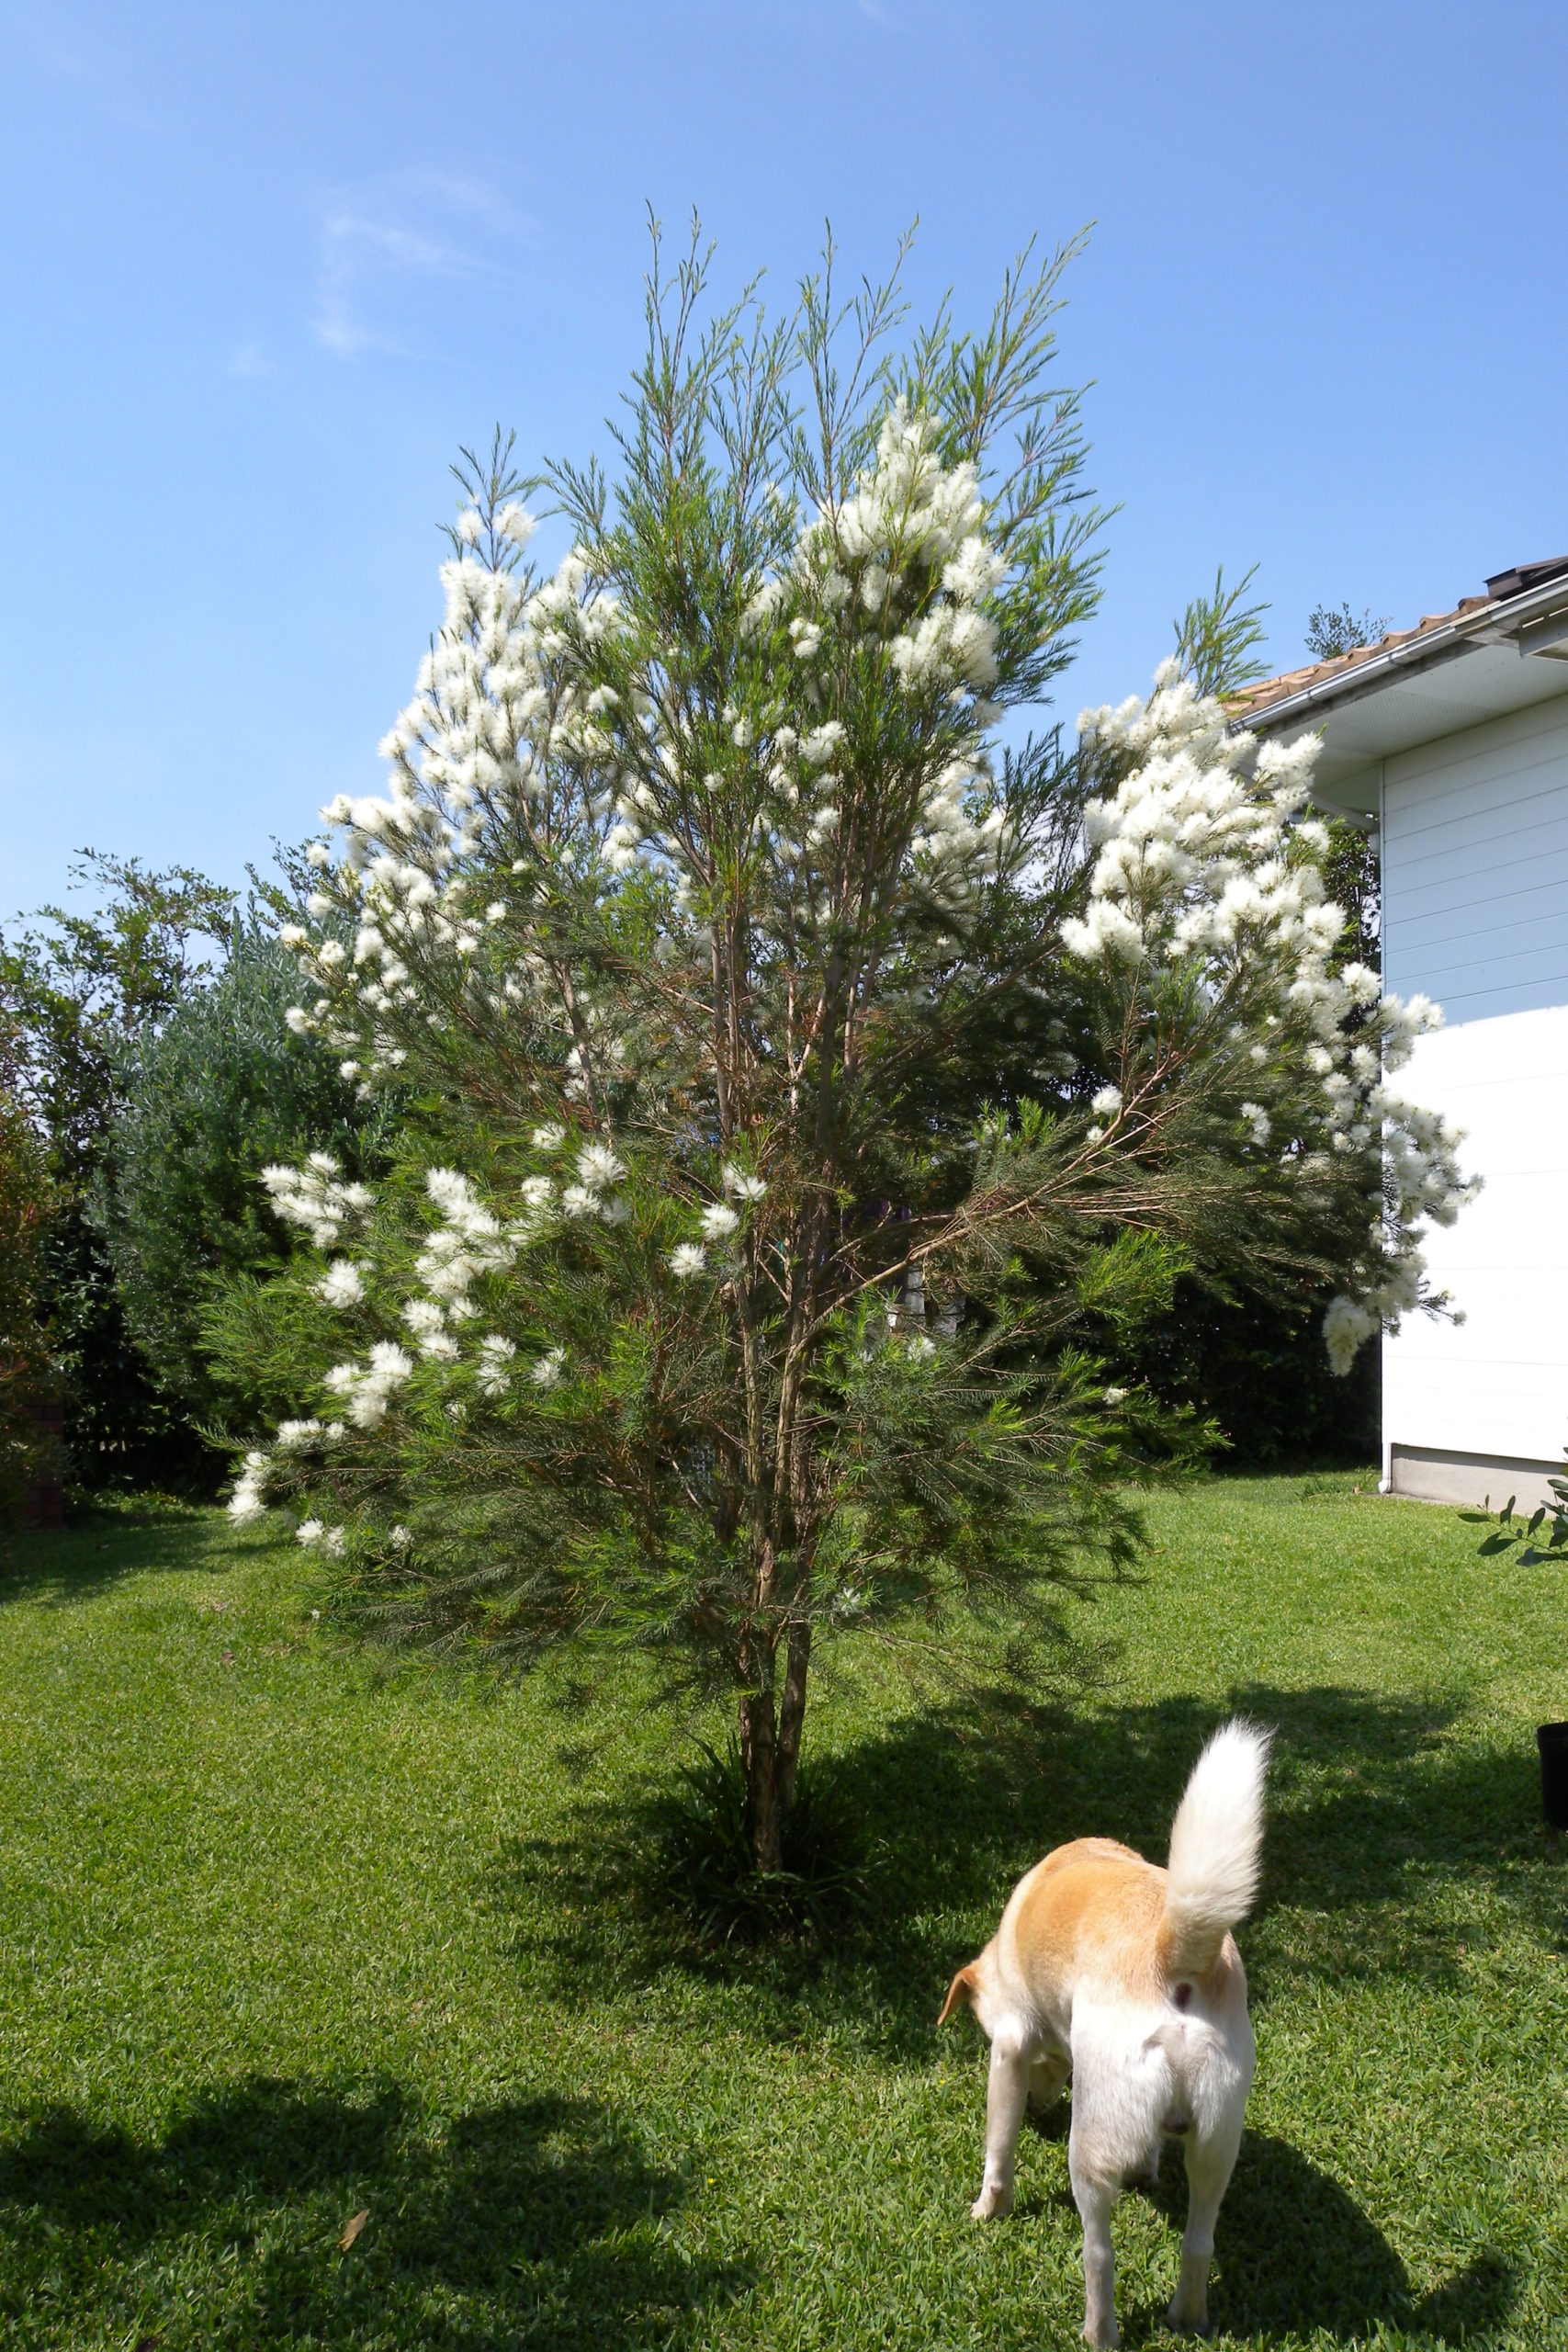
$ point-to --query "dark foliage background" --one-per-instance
(209, 1098)
(151, 1075)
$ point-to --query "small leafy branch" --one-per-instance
(1542, 1536)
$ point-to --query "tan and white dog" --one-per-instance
(1125, 1977)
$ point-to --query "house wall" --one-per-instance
(1475, 913)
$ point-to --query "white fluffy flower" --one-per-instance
(315, 1197)
(740, 1184)
(688, 1257)
(598, 1166)
(341, 1285)
(1108, 1101)
(515, 522)
(309, 1530)
(546, 1372)
(368, 1388)
(1346, 1324)
(495, 1354)
(459, 1204)
(718, 1221)
(247, 1503)
(818, 748)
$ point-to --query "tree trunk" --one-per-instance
(792, 1716)
(759, 1747)
(770, 1744)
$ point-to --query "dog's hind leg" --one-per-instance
(1094, 2201)
(1209, 2166)
(1005, 2093)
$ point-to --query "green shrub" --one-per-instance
(221, 1089)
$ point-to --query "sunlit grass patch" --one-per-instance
(283, 1941)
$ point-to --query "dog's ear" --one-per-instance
(961, 1989)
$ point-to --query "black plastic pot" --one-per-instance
(1552, 1741)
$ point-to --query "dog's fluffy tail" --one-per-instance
(1215, 1849)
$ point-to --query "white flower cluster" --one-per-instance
(367, 1389)
(469, 1242)
(495, 1355)
(315, 1197)
(593, 1195)
(719, 1220)
(316, 1531)
(500, 735)
(248, 1501)
(909, 513)
(1192, 849)
(1203, 860)
(900, 572)
(508, 745)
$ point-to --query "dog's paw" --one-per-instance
(991, 2205)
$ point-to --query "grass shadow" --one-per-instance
(106, 1545)
(1296, 2256)
(532, 2222)
(1374, 1807)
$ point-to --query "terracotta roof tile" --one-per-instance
(1500, 587)
(1290, 682)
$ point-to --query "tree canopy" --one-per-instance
(817, 1084)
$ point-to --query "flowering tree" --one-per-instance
(804, 1118)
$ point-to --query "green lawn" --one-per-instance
(279, 1942)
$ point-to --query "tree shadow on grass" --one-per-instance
(1295, 2253)
(72, 1564)
(535, 2222)
(1375, 1810)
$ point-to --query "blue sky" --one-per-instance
(265, 268)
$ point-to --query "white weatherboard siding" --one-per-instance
(1475, 913)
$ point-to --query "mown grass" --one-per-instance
(280, 1943)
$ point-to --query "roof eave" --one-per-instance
(1492, 624)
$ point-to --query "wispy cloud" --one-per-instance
(70, 54)
(249, 357)
(377, 252)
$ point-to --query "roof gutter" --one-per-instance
(1497, 624)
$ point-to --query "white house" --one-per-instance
(1452, 739)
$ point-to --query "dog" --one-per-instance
(1125, 1977)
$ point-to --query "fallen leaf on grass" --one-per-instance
(353, 2229)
